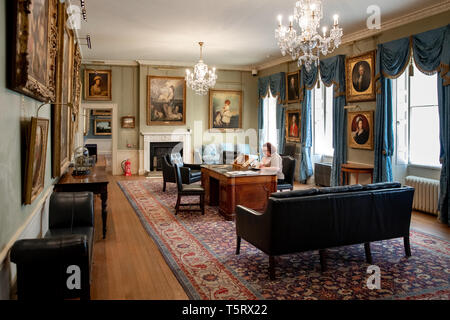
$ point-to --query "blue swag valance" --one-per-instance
(277, 85)
(431, 53)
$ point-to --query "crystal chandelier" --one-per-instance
(201, 79)
(308, 44)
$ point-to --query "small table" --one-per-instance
(226, 190)
(357, 169)
(96, 181)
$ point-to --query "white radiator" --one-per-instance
(426, 193)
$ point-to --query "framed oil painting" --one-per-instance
(34, 46)
(225, 109)
(128, 122)
(360, 130)
(97, 85)
(102, 127)
(101, 112)
(61, 113)
(35, 159)
(292, 128)
(166, 101)
(293, 87)
(360, 77)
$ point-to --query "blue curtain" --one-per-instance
(332, 72)
(277, 85)
(307, 82)
(392, 59)
(432, 54)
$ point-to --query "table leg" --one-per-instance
(104, 197)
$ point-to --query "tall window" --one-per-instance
(270, 132)
(417, 119)
(322, 105)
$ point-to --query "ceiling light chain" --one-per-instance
(202, 79)
(309, 44)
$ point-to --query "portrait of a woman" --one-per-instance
(360, 129)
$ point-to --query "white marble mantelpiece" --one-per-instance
(175, 136)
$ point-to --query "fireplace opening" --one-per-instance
(159, 149)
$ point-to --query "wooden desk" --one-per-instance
(227, 191)
(357, 169)
(96, 181)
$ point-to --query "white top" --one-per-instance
(275, 163)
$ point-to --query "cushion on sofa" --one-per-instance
(382, 185)
(340, 189)
(295, 193)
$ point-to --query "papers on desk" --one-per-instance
(241, 173)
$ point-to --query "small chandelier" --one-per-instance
(307, 46)
(201, 79)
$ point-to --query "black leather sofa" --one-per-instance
(190, 173)
(316, 219)
(44, 266)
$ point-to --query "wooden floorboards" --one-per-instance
(128, 264)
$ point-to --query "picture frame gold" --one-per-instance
(98, 131)
(166, 101)
(360, 77)
(62, 118)
(292, 125)
(35, 159)
(128, 122)
(100, 91)
(102, 112)
(34, 47)
(360, 130)
(293, 87)
(223, 110)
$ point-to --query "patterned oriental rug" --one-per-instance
(201, 252)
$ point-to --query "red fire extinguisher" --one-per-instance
(126, 167)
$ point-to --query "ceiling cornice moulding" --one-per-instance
(385, 26)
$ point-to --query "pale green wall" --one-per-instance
(197, 107)
(362, 46)
(14, 110)
(125, 88)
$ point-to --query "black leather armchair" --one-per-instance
(59, 265)
(289, 172)
(190, 173)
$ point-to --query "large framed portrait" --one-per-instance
(35, 159)
(62, 120)
(34, 46)
(97, 85)
(360, 78)
(102, 127)
(225, 109)
(293, 87)
(360, 130)
(292, 119)
(166, 101)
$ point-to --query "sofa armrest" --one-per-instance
(193, 166)
(71, 209)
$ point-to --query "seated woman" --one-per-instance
(272, 161)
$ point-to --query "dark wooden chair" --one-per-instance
(188, 190)
(190, 173)
(289, 173)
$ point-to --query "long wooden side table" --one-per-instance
(96, 181)
(348, 168)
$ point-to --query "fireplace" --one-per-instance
(159, 150)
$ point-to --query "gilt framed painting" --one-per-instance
(97, 85)
(360, 130)
(128, 122)
(102, 127)
(166, 101)
(35, 159)
(293, 87)
(225, 109)
(360, 78)
(292, 128)
(33, 47)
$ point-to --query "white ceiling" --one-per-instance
(235, 32)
